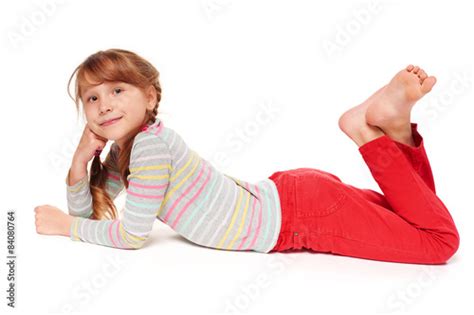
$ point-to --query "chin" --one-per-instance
(113, 138)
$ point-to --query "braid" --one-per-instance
(152, 114)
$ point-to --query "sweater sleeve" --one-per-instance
(79, 198)
(148, 181)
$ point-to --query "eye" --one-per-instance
(116, 90)
(89, 99)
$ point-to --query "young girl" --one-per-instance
(291, 210)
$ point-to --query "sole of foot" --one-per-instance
(389, 108)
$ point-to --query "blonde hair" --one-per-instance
(113, 65)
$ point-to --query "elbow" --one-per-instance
(137, 246)
(135, 241)
(131, 240)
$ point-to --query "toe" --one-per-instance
(416, 69)
(428, 84)
(422, 75)
(410, 67)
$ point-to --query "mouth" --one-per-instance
(111, 122)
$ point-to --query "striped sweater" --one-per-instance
(171, 182)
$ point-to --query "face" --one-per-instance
(111, 100)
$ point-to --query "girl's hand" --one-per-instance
(89, 143)
(50, 220)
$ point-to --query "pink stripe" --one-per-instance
(130, 183)
(251, 220)
(147, 128)
(113, 177)
(118, 235)
(145, 196)
(191, 200)
(259, 220)
(110, 233)
(183, 194)
(160, 127)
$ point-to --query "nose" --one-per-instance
(105, 105)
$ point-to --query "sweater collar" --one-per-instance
(150, 124)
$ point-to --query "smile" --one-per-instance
(111, 122)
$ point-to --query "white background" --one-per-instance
(221, 62)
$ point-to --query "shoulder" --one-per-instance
(146, 144)
(150, 133)
(142, 140)
(148, 155)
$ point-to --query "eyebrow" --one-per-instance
(90, 87)
(86, 90)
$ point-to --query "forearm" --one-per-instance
(109, 233)
(76, 172)
(78, 191)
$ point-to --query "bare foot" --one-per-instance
(353, 122)
(391, 108)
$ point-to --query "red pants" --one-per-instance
(407, 224)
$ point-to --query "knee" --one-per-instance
(449, 247)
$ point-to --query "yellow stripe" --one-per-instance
(172, 191)
(125, 236)
(184, 167)
(148, 176)
(74, 231)
(241, 222)
(78, 187)
(151, 167)
(234, 216)
(146, 168)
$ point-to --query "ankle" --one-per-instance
(405, 137)
(367, 134)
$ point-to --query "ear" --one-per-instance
(151, 97)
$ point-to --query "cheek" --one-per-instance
(91, 117)
(86, 109)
